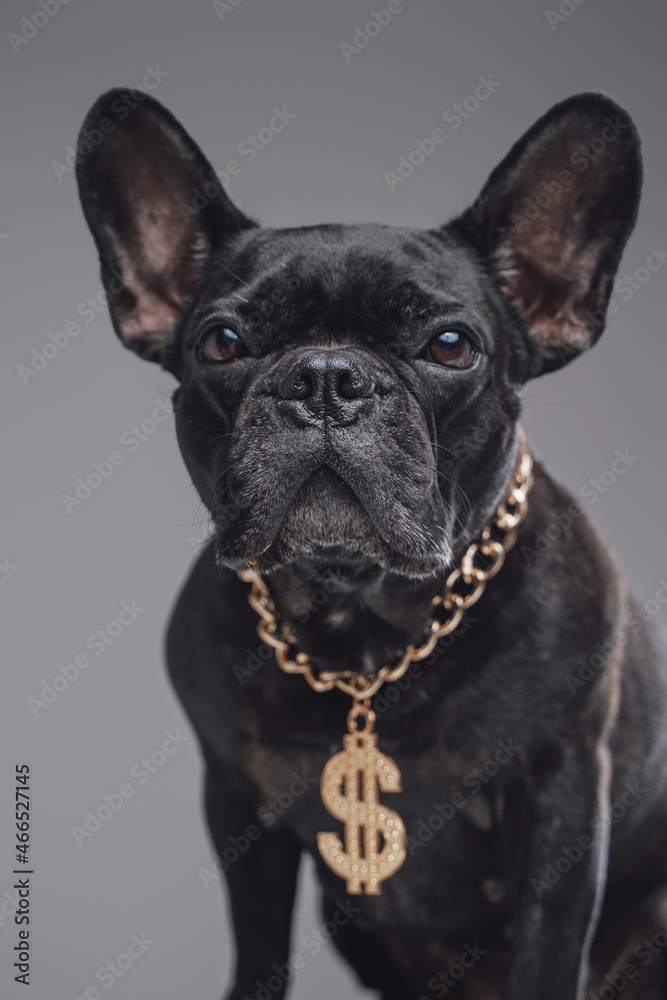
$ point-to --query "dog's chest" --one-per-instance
(450, 809)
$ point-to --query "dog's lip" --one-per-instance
(325, 471)
(338, 470)
(328, 473)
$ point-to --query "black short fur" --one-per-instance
(334, 451)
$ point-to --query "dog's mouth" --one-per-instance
(323, 490)
(335, 525)
(326, 523)
(325, 512)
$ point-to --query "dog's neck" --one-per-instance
(356, 624)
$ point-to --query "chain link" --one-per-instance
(463, 588)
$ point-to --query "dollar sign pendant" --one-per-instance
(374, 835)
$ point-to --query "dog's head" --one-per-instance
(349, 395)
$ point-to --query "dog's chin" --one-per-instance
(327, 531)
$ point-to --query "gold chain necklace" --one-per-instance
(374, 834)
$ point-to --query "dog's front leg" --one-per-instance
(261, 881)
(557, 844)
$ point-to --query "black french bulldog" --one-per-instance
(348, 409)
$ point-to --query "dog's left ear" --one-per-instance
(553, 219)
(157, 212)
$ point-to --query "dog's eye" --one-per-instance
(221, 344)
(451, 348)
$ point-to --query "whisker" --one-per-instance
(195, 480)
(221, 436)
(449, 481)
(454, 455)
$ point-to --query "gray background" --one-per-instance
(131, 540)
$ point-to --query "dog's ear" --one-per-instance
(553, 219)
(156, 210)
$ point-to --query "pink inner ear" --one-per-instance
(157, 277)
(548, 277)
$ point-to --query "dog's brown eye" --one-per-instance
(221, 344)
(451, 348)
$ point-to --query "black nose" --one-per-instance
(323, 384)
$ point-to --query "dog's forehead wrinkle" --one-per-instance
(377, 266)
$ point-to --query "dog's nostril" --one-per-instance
(348, 384)
(302, 385)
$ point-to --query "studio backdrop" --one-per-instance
(309, 112)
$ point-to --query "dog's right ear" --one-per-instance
(138, 187)
(553, 219)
